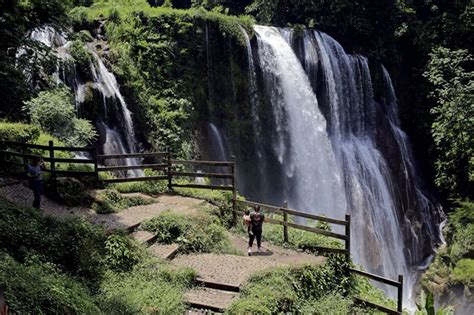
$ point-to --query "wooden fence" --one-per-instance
(171, 170)
(346, 251)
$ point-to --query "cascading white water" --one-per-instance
(314, 180)
(330, 153)
(116, 129)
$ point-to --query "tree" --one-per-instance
(54, 112)
(450, 73)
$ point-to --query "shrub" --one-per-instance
(110, 201)
(286, 290)
(18, 132)
(198, 234)
(69, 191)
(334, 304)
(42, 289)
(75, 246)
(82, 56)
(122, 252)
(463, 272)
(54, 112)
(148, 288)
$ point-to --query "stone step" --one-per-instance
(143, 237)
(165, 251)
(212, 284)
(210, 299)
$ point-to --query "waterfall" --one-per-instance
(313, 178)
(115, 126)
(339, 151)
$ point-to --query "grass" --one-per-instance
(77, 268)
(202, 233)
(110, 201)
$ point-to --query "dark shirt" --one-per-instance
(34, 172)
(257, 219)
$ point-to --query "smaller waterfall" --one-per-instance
(218, 150)
(115, 126)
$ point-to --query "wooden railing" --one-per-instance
(346, 251)
(172, 169)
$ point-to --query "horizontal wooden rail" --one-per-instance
(63, 160)
(379, 307)
(210, 163)
(72, 172)
(375, 277)
(25, 145)
(210, 175)
(74, 149)
(130, 155)
(131, 167)
(29, 156)
(135, 179)
(213, 187)
(295, 213)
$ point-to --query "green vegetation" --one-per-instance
(317, 289)
(77, 268)
(54, 112)
(199, 233)
(17, 132)
(453, 264)
(109, 201)
(453, 125)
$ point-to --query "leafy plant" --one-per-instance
(54, 112)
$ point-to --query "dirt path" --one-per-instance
(125, 219)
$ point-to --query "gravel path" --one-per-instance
(129, 218)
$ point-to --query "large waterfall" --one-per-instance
(329, 148)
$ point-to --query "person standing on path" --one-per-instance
(256, 223)
(35, 169)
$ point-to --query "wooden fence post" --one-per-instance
(24, 152)
(348, 244)
(285, 219)
(51, 159)
(168, 161)
(234, 193)
(95, 157)
(400, 294)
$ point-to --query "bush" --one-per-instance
(69, 191)
(197, 234)
(287, 290)
(110, 201)
(149, 288)
(334, 304)
(75, 246)
(122, 252)
(463, 272)
(18, 132)
(82, 56)
(35, 288)
(54, 112)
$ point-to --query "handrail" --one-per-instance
(294, 212)
(211, 163)
(129, 155)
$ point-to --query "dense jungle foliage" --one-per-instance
(156, 50)
(427, 46)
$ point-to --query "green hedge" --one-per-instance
(18, 132)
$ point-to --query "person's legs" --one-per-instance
(251, 238)
(37, 190)
(258, 236)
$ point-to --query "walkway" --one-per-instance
(220, 275)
